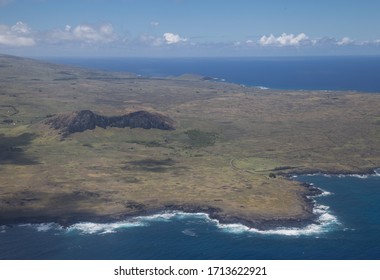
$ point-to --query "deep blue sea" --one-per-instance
(348, 226)
(358, 73)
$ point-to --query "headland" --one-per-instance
(86, 145)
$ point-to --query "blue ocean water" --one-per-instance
(358, 73)
(349, 211)
(348, 228)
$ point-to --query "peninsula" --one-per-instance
(86, 145)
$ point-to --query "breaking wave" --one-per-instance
(103, 228)
(376, 173)
(3, 229)
(325, 222)
(262, 87)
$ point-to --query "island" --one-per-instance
(86, 145)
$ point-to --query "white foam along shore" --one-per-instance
(376, 173)
(324, 223)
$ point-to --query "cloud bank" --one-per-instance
(284, 40)
(18, 35)
(21, 35)
(83, 33)
(166, 39)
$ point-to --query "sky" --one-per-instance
(189, 28)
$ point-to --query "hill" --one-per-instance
(230, 154)
(83, 120)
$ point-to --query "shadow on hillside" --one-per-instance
(12, 151)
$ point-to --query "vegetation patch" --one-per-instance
(152, 165)
(198, 138)
(146, 143)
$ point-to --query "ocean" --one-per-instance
(348, 209)
(348, 228)
(357, 73)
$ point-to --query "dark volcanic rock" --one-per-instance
(84, 120)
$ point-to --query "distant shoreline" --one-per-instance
(263, 71)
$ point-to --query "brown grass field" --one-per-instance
(229, 154)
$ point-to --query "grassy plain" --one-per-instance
(227, 142)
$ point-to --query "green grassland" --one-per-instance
(228, 143)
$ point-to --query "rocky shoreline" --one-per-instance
(212, 212)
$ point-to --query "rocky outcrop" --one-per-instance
(80, 121)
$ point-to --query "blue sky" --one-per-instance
(189, 27)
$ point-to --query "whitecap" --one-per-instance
(359, 176)
(233, 228)
(262, 88)
(141, 221)
(47, 226)
(3, 229)
(162, 217)
(103, 228)
(189, 232)
(325, 222)
(324, 193)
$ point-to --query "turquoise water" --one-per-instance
(348, 228)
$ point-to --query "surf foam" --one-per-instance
(376, 173)
(325, 223)
(103, 228)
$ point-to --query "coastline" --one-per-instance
(70, 193)
(212, 212)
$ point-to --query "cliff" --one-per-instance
(83, 120)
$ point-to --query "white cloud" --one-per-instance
(18, 35)
(148, 39)
(89, 34)
(345, 41)
(154, 23)
(166, 39)
(21, 28)
(283, 40)
(84, 33)
(267, 40)
(171, 38)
